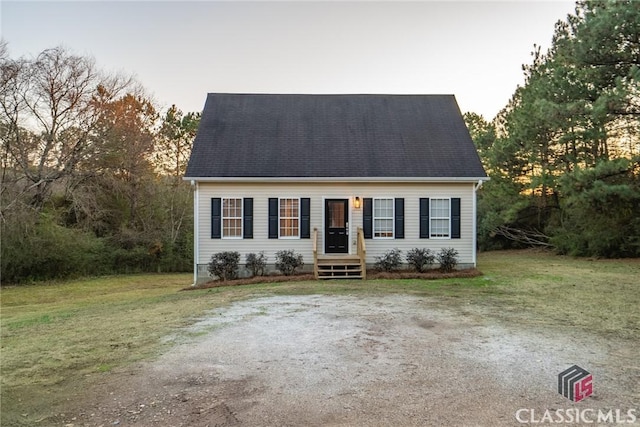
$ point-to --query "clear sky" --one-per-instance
(180, 51)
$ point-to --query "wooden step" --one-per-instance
(339, 267)
(342, 270)
(325, 259)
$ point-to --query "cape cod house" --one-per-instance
(340, 179)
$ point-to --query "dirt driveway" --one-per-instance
(396, 360)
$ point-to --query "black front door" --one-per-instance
(336, 226)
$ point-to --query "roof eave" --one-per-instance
(340, 179)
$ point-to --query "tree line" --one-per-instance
(564, 154)
(91, 170)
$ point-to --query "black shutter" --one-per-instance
(305, 218)
(399, 218)
(216, 217)
(273, 218)
(424, 217)
(455, 218)
(247, 218)
(367, 217)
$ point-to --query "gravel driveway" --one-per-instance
(396, 360)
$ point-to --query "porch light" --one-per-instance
(356, 203)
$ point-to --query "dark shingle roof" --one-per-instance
(313, 136)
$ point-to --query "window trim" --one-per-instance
(299, 218)
(392, 218)
(433, 217)
(241, 218)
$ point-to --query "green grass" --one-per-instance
(601, 296)
(53, 331)
(58, 337)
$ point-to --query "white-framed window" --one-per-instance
(289, 218)
(440, 218)
(383, 218)
(232, 218)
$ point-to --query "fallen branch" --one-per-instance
(526, 237)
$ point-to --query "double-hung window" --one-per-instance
(289, 218)
(232, 218)
(383, 218)
(440, 218)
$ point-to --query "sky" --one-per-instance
(180, 51)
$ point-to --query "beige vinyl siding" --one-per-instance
(318, 192)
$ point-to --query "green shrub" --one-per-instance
(420, 259)
(448, 259)
(35, 247)
(256, 264)
(288, 261)
(224, 265)
(132, 260)
(389, 261)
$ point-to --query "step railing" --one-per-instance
(362, 252)
(315, 252)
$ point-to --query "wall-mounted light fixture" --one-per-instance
(356, 203)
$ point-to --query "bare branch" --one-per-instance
(526, 237)
(55, 100)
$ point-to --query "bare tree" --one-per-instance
(49, 107)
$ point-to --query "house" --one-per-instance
(340, 179)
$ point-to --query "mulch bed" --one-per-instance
(428, 275)
(371, 275)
